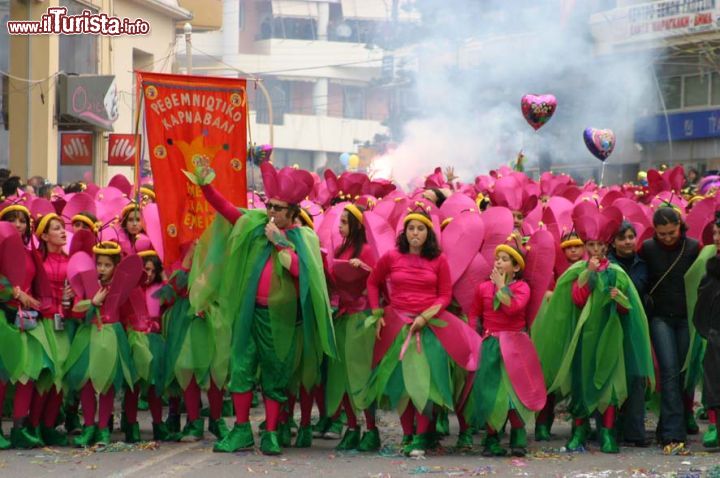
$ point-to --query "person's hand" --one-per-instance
(68, 293)
(614, 292)
(100, 296)
(498, 278)
(418, 324)
(378, 327)
(272, 232)
(548, 295)
(593, 264)
(27, 300)
(450, 174)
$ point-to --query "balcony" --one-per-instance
(316, 133)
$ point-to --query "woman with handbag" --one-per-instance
(669, 255)
(22, 353)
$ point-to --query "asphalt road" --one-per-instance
(197, 459)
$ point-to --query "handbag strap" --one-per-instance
(672, 266)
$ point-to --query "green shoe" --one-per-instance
(370, 441)
(691, 425)
(228, 410)
(710, 438)
(608, 443)
(284, 434)
(123, 423)
(173, 423)
(53, 437)
(239, 438)
(37, 433)
(72, 423)
(406, 440)
(493, 447)
(4, 442)
(132, 433)
(218, 428)
(143, 404)
(418, 446)
(579, 438)
(193, 431)
(162, 433)
(269, 443)
(321, 426)
(464, 441)
(442, 425)
(24, 438)
(518, 442)
(542, 432)
(350, 441)
(304, 437)
(86, 437)
(701, 414)
(102, 436)
(334, 431)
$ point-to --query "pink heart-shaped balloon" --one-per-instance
(538, 109)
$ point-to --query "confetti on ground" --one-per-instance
(125, 447)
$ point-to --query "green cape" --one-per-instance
(592, 353)
(693, 365)
(226, 271)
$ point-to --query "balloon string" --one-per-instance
(602, 173)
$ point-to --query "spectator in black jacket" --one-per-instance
(669, 254)
(632, 416)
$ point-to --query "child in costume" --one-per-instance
(59, 324)
(347, 376)
(509, 382)
(593, 338)
(416, 337)
(24, 353)
(573, 250)
(100, 362)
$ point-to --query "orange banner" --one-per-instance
(193, 120)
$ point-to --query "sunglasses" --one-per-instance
(275, 207)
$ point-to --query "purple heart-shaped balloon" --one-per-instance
(600, 142)
(538, 109)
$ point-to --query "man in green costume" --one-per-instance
(258, 268)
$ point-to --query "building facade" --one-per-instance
(64, 94)
(323, 64)
(683, 125)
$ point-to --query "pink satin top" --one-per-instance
(507, 318)
(415, 284)
(55, 266)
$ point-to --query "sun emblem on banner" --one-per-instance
(236, 99)
(172, 230)
(197, 153)
(160, 152)
(236, 164)
(151, 92)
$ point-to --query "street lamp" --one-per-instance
(188, 46)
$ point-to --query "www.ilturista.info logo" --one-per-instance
(57, 21)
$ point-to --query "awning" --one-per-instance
(294, 9)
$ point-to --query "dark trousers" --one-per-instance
(671, 339)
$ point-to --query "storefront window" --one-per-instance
(671, 89)
(696, 91)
